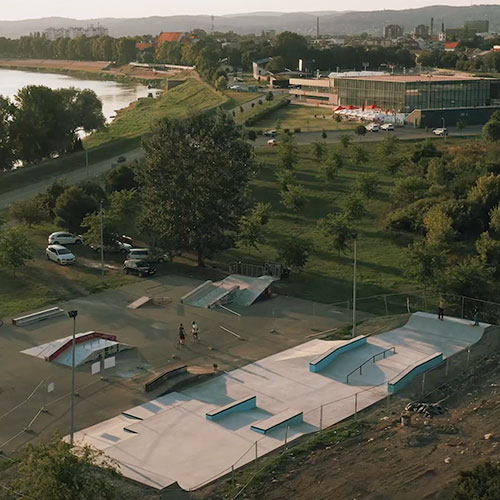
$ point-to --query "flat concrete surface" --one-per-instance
(266, 328)
(174, 442)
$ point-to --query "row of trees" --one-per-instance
(42, 122)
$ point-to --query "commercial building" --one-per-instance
(421, 31)
(477, 26)
(400, 93)
(393, 31)
(90, 31)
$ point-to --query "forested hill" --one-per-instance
(305, 23)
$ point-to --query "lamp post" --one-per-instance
(102, 241)
(73, 315)
(354, 292)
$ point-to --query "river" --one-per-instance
(114, 95)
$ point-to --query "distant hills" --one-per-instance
(347, 23)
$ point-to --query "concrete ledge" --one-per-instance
(37, 316)
(159, 379)
(142, 301)
(323, 360)
(247, 403)
(288, 417)
(198, 289)
(412, 371)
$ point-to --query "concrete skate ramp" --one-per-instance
(455, 328)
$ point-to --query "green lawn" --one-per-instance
(327, 277)
(137, 120)
(237, 98)
(303, 117)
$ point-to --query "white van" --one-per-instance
(372, 127)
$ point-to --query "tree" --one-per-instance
(491, 131)
(288, 153)
(6, 143)
(252, 135)
(269, 96)
(425, 263)
(194, 185)
(252, 225)
(388, 147)
(52, 193)
(359, 155)
(495, 220)
(291, 47)
(360, 131)
(337, 229)
(409, 189)
(345, 140)
(318, 150)
(354, 206)
(438, 226)
(293, 197)
(221, 83)
(294, 252)
(55, 471)
(460, 126)
(367, 185)
(121, 178)
(333, 164)
(323, 134)
(424, 151)
(33, 211)
(15, 248)
(125, 50)
(276, 64)
(71, 208)
(481, 483)
(488, 250)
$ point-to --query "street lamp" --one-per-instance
(354, 291)
(73, 315)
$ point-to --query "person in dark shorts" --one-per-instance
(475, 315)
(195, 330)
(182, 335)
(441, 306)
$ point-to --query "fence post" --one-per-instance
(321, 418)
(356, 406)
(286, 436)
(468, 357)
(256, 456)
(446, 367)
(423, 382)
(463, 301)
(232, 476)
(385, 303)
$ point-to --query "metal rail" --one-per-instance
(373, 358)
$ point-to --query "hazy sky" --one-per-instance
(26, 9)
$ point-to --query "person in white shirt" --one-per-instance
(195, 331)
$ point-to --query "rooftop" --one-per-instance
(419, 78)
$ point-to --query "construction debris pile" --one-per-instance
(427, 409)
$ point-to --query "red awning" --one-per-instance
(338, 108)
(351, 107)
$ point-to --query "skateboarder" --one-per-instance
(475, 316)
(182, 335)
(441, 306)
(195, 331)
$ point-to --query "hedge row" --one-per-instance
(264, 113)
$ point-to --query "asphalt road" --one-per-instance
(97, 169)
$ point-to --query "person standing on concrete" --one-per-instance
(195, 331)
(182, 335)
(475, 315)
(441, 306)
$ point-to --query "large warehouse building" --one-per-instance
(424, 99)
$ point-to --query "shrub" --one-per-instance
(297, 130)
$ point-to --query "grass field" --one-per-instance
(137, 119)
(237, 98)
(304, 118)
(327, 276)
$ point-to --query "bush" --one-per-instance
(294, 252)
(482, 482)
(411, 218)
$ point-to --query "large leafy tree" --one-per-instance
(338, 231)
(71, 208)
(55, 471)
(15, 248)
(195, 183)
(6, 144)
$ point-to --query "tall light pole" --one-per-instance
(354, 292)
(102, 242)
(73, 315)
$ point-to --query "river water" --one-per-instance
(114, 95)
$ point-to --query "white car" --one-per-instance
(272, 142)
(63, 238)
(60, 254)
(440, 131)
(116, 247)
(372, 127)
(270, 133)
(387, 126)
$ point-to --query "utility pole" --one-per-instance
(354, 292)
(102, 242)
(73, 315)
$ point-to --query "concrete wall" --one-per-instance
(432, 118)
(325, 359)
(412, 372)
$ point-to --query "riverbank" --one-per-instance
(90, 70)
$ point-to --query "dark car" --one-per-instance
(139, 267)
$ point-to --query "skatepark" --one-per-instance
(193, 436)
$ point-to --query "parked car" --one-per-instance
(60, 254)
(440, 131)
(147, 255)
(387, 126)
(116, 247)
(372, 127)
(272, 142)
(125, 239)
(270, 133)
(63, 238)
(139, 267)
